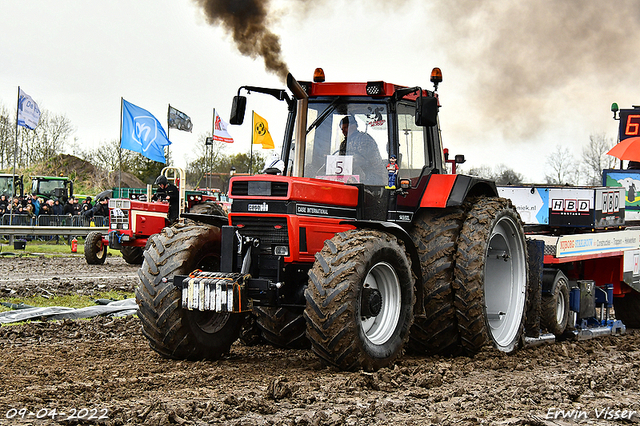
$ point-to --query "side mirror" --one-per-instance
(426, 111)
(238, 109)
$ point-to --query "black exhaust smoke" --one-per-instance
(246, 21)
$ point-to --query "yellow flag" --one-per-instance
(261, 133)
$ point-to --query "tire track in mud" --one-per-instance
(106, 363)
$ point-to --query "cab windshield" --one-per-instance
(347, 142)
(6, 186)
(46, 187)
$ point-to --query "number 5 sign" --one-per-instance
(339, 165)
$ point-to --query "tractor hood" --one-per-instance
(271, 187)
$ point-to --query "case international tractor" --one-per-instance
(361, 245)
(325, 252)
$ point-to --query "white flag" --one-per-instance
(220, 130)
(28, 111)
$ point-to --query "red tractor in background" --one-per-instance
(339, 249)
(133, 221)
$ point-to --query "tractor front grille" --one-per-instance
(271, 231)
(119, 218)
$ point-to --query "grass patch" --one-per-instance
(50, 248)
(68, 301)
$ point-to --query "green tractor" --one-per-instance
(52, 187)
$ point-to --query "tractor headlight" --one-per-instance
(281, 251)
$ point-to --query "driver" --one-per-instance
(361, 145)
(168, 192)
(355, 141)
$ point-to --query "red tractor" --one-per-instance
(133, 221)
(346, 246)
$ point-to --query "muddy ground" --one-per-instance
(103, 368)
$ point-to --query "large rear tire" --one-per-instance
(435, 234)
(95, 252)
(132, 255)
(172, 331)
(208, 208)
(360, 300)
(282, 327)
(627, 309)
(491, 277)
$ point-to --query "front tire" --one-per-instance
(360, 300)
(95, 252)
(491, 277)
(172, 331)
(132, 255)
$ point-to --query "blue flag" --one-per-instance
(28, 111)
(142, 132)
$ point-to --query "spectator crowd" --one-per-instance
(33, 206)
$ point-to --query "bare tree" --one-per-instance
(207, 157)
(564, 169)
(483, 171)
(500, 174)
(110, 156)
(7, 137)
(49, 138)
(595, 158)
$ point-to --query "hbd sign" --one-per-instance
(611, 202)
(570, 206)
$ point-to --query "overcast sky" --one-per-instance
(520, 77)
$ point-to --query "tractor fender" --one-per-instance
(397, 231)
(550, 277)
(453, 190)
(208, 219)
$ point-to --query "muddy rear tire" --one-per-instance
(282, 327)
(95, 252)
(360, 300)
(209, 208)
(627, 309)
(435, 234)
(491, 277)
(172, 331)
(132, 255)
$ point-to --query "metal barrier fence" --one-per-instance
(54, 220)
(47, 227)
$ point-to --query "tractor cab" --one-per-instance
(52, 187)
(377, 136)
(353, 138)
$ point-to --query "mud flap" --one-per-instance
(214, 291)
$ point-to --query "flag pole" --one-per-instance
(253, 132)
(15, 153)
(120, 149)
(213, 135)
(168, 130)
